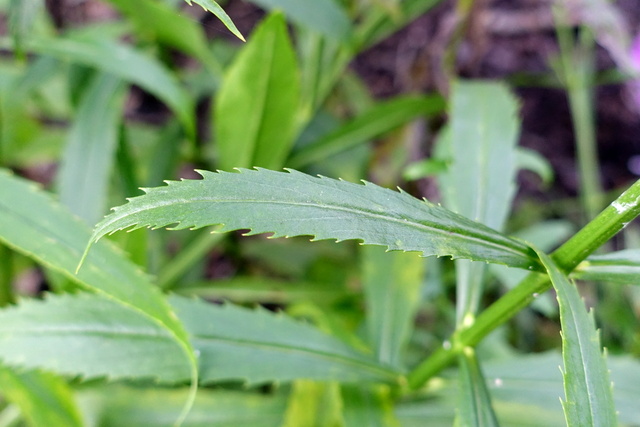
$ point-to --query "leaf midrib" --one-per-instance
(508, 243)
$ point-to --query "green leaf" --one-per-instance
(534, 162)
(44, 399)
(161, 22)
(83, 178)
(255, 111)
(382, 118)
(323, 16)
(89, 336)
(368, 406)
(475, 408)
(33, 224)
(313, 403)
(293, 204)
(22, 14)
(215, 8)
(128, 64)
(257, 346)
(617, 267)
(588, 390)
(392, 282)
(480, 147)
(119, 406)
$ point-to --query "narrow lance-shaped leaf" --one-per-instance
(43, 398)
(83, 178)
(256, 107)
(617, 267)
(587, 387)
(475, 407)
(215, 8)
(294, 204)
(32, 223)
(90, 336)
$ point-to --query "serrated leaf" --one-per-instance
(33, 224)
(392, 283)
(89, 336)
(215, 8)
(617, 267)
(588, 390)
(119, 406)
(88, 158)
(255, 110)
(260, 346)
(125, 62)
(44, 399)
(323, 16)
(293, 204)
(475, 408)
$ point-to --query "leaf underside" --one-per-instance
(295, 204)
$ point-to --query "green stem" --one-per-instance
(6, 275)
(189, 256)
(610, 221)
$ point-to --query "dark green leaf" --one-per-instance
(215, 8)
(292, 204)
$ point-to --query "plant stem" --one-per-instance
(6, 275)
(610, 221)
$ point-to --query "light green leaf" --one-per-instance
(534, 162)
(255, 111)
(617, 267)
(371, 406)
(475, 408)
(83, 177)
(293, 204)
(480, 147)
(392, 282)
(323, 16)
(161, 22)
(89, 336)
(33, 224)
(126, 63)
(588, 390)
(313, 403)
(119, 406)
(257, 346)
(44, 399)
(215, 8)
(22, 14)
(382, 118)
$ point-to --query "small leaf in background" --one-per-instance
(313, 403)
(127, 63)
(588, 390)
(368, 406)
(255, 113)
(215, 8)
(22, 14)
(44, 399)
(383, 117)
(621, 267)
(161, 22)
(88, 158)
(295, 204)
(392, 283)
(323, 16)
(119, 406)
